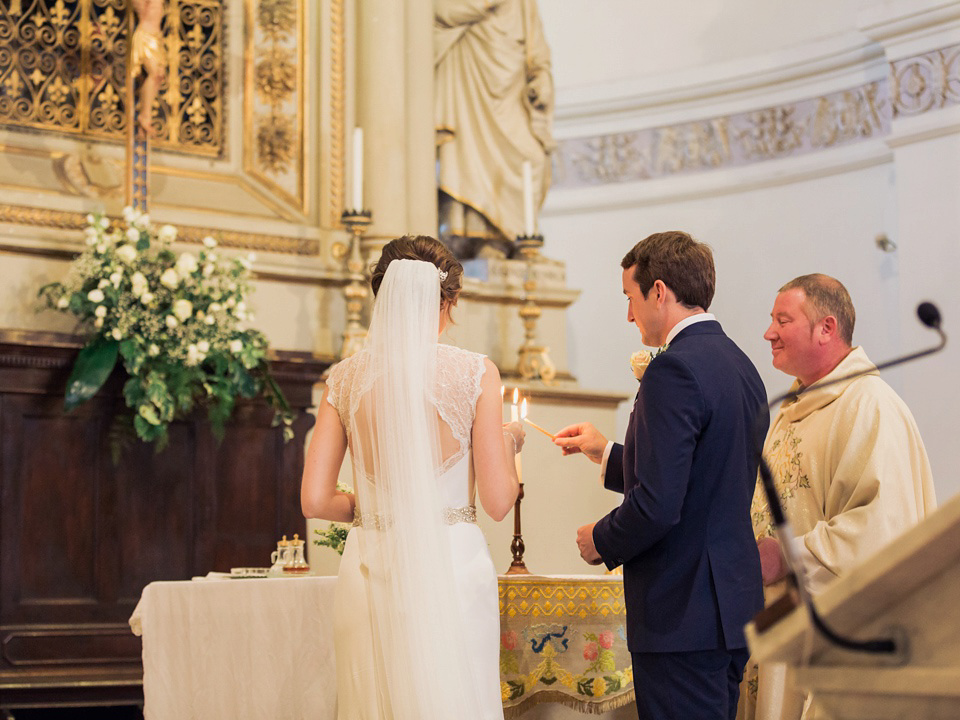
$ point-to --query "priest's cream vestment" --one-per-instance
(852, 475)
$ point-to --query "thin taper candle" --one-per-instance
(357, 169)
(528, 221)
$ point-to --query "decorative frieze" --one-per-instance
(915, 85)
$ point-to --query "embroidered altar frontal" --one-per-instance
(563, 640)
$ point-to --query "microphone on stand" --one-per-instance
(797, 593)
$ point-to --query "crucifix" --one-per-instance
(145, 72)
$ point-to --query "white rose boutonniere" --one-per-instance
(639, 362)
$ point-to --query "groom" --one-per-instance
(687, 469)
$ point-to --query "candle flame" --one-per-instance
(502, 389)
(523, 409)
(516, 395)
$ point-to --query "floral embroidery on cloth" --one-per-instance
(784, 458)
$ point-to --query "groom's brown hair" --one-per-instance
(683, 264)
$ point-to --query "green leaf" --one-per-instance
(91, 370)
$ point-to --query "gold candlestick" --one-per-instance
(355, 291)
(517, 567)
(534, 362)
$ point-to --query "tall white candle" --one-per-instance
(528, 221)
(357, 169)
(516, 413)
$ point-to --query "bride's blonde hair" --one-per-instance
(428, 249)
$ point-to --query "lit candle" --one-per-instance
(358, 169)
(514, 410)
(518, 415)
(528, 222)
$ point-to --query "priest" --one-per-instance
(847, 458)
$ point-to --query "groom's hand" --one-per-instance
(581, 438)
(588, 551)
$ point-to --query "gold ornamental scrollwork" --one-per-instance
(274, 96)
(63, 65)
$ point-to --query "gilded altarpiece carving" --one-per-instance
(63, 63)
(241, 130)
(273, 97)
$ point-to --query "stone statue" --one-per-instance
(147, 52)
(493, 111)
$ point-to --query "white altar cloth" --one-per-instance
(238, 648)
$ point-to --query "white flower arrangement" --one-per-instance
(176, 322)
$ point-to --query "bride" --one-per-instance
(417, 624)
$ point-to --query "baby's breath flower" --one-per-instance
(133, 234)
(236, 346)
(100, 312)
(95, 295)
(146, 298)
(209, 242)
(170, 321)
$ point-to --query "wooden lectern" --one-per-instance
(909, 591)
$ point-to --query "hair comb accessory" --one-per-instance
(442, 273)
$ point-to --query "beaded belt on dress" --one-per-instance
(451, 516)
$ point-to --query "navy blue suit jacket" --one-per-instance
(688, 469)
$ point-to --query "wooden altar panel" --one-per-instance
(81, 537)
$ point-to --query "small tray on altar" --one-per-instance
(248, 572)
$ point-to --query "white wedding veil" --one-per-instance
(396, 439)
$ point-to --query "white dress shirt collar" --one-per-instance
(687, 322)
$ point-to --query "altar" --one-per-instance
(219, 647)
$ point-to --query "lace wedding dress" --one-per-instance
(416, 613)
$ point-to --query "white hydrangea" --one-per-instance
(186, 264)
(130, 214)
(171, 321)
(209, 242)
(208, 270)
(146, 298)
(115, 279)
(194, 355)
(139, 284)
(167, 233)
(170, 279)
(133, 235)
(117, 335)
(127, 253)
(183, 309)
(100, 312)
(95, 296)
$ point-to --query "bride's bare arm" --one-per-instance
(319, 497)
(493, 450)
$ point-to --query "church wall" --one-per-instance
(623, 40)
(853, 156)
